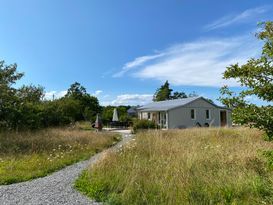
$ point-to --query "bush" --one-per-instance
(144, 124)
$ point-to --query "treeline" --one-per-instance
(24, 107)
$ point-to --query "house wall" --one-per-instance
(181, 117)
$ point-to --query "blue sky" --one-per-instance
(121, 51)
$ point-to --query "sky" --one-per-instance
(122, 51)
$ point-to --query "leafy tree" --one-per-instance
(31, 93)
(24, 107)
(9, 74)
(8, 100)
(256, 76)
(163, 93)
(70, 109)
(88, 106)
(178, 95)
(76, 91)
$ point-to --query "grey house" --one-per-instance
(186, 112)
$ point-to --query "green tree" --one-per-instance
(163, 93)
(31, 93)
(178, 95)
(88, 106)
(8, 99)
(256, 76)
(76, 91)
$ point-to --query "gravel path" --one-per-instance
(56, 188)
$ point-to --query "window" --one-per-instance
(192, 114)
(207, 114)
(149, 115)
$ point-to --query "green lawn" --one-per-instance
(28, 155)
(192, 166)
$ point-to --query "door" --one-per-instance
(223, 118)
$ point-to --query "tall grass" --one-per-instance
(28, 155)
(193, 166)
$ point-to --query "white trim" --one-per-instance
(167, 119)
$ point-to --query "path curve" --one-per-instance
(56, 188)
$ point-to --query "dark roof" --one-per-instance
(132, 110)
(171, 104)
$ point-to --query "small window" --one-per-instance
(149, 115)
(207, 114)
(192, 114)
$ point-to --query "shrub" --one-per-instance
(144, 124)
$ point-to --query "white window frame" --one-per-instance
(209, 114)
(194, 110)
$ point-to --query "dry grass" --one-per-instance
(193, 166)
(28, 155)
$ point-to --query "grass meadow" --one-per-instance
(192, 166)
(28, 155)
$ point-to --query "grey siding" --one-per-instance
(181, 116)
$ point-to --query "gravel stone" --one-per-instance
(56, 188)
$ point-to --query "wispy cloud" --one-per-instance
(129, 99)
(137, 62)
(199, 63)
(50, 95)
(245, 16)
(97, 93)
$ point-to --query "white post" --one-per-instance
(167, 120)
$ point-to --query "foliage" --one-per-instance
(24, 107)
(256, 76)
(269, 156)
(178, 95)
(88, 106)
(28, 155)
(31, 93)
(176, 167)
(144, 124)
(107, 113)
(165, 93)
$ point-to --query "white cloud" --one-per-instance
(130, 99)
(199, 63)
(57, 94)
(245, 16)
(137, 62)
(97, 93)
